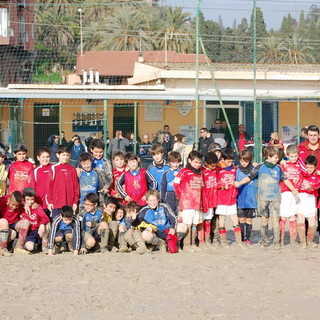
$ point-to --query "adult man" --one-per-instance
(217, 127)
(168, 138)
(143, 151)
(204, 141)
(311, 146)
(119, 143)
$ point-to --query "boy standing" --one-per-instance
(64, 184)
(167, 194)
(289, 202)
(118, 169)
(136, 180)
(269, 175)
(66, 227)
(247, 196)
(159, 166)
(188, 187)
(20, 173)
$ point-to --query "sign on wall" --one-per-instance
(184, 107)
(153, 111)
(289, 134)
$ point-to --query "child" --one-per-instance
(109, 207)
(10, 211)
(89, 179)
(269, 175)
(289, 202)
(20, 173)
(3, 173)
(227, 199)
(188, 187)
(39, 222)
(92, 226)
(118, 168)
(42, 177)
(209, 197)
(64, 184)
(167, 194)
(247, 196)
(159, 166)
(162, 223)
(66, 227)
(129, 236)
(102, 166)
(136, 180)
(308, 194)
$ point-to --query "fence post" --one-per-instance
(105, 115)
(298, 119)
(197, 74)
(135, 128)
(60, 122)
(22, 120)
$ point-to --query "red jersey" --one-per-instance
(311, 180)
(293, 173)
(12, 216)
(36, 218)
(304, 151)
(64, 186)
(209, 190)
(227, 192)
(188, 186)
(20, 176)
(116, 174)
(42, 177)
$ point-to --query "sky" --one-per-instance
(273, 10)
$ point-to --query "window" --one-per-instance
(4, 30)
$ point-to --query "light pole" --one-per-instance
(81, 37)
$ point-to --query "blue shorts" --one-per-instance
(62, 233)
(33, 236)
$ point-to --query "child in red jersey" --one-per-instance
(137, 181)
(118, 169)
(20, 173)
(188, 187)
(307, 207)
(39, 222)
(227, 199)
(10, 211)
(209, 196)
(64, 185)
(289, 202)
(42, 177)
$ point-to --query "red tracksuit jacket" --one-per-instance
(227, 193)
(293, 173)
(42, 176)
(64, 186)
(20, 176)
(188, 187)
(36, 218)
(12, 216)
(209, 190)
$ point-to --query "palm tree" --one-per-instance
(93, 35)
(297, 51)
(270, 50)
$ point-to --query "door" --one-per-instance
(46, 123)
(123, 118)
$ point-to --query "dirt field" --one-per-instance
(211, 284)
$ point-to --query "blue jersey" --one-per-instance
(98, 164)
(91, 217)
(157, 171)
(247, 193)
(63, 226)
(89, 182)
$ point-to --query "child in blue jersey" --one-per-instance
(167, 194)
(269, 175)
(102, 165)
(65, 227)
(159, 166)
(88, 178)
(247, 196)
(129, 237)
(92, 227)
(161, 222)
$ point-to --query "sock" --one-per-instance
(248, 231)
(282, 226)
(223, 234)
(200, 230)
(243, 231)
(293, 231)
(22, 237)
(207, 230)
(237, 233)
(4, 234)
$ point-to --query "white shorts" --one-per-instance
(307, 205)
(208, 215)
(191, 216)
(288, 205)
(226, 210)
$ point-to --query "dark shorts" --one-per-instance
(13, 225)
(33, 236)
(246, 213)
(55, 213)
(62, 233)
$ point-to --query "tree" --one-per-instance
(243, 51)
(302, 24)
(227, 46)
(260, 25)
(270, 50)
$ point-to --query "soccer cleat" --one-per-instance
(18, 250)
(5, 253)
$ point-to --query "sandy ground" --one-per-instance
(212, 284)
